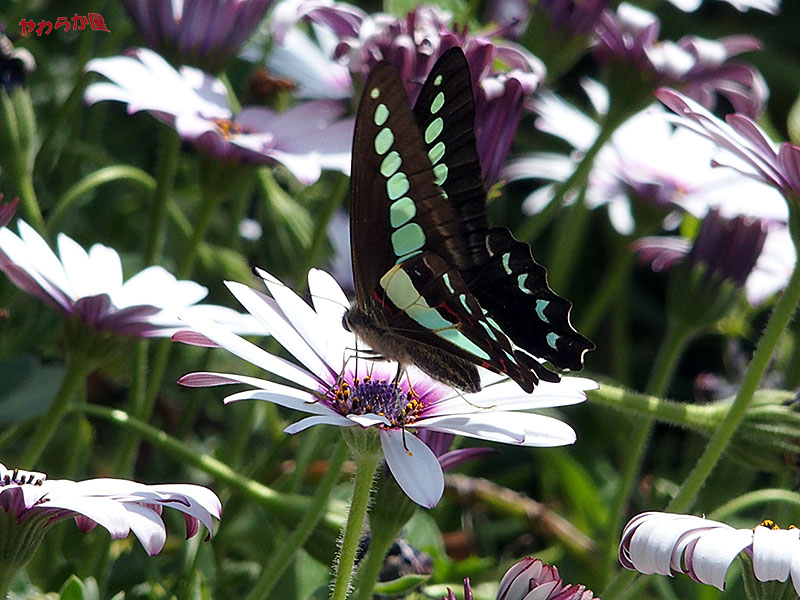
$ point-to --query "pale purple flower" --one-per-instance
(566, 18)
(646, 160)
(118, 505)
(663, 543)
(701, 68)
(770, 6)
(203, 33)
(777, 165)
(336, 385)
(89, 286)
(308, 62)
(305, 138)
(412, 44)
(750, 253)
(531, 578)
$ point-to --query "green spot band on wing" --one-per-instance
(540, 306)
(402, 211)
(401, 291)
(454, 336)
(433, 130)
(427, 317)
(384, 140)
(390, 163)
(488, 329)
(552, 338)
(397, 185)
(407, 239)
(463, 299)
(381, 114)
(438, 103)
(446, 279)
(436, 153)
(506, 258)
(374, 93)
(440, 174)
(438, 80)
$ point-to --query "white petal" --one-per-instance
(369, 420)
(285, 396)
(713, 553)
(250, 352)
(414, 466)
(332, 419)
(147, 526)
(281, 326)
(773, 552)
(508, 427)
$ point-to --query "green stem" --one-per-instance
(287, 549)
(608, 291)
(756, 498)
(165, 179)
(380, 542)
(778, 322)
(567, 243)
(138, 401)
(366, 465)
(92, 181)
(211, 198)
(29, 203)
(675, 340)
(77, 369)
(323, 217)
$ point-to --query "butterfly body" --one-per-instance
(435, 286)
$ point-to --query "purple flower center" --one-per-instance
(378, 397)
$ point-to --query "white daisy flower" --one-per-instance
(118, 505)
(90, 285)
(337, 386)
(305, 138)
(655, 542)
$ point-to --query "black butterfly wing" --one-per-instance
(517, 298)
(445, 113)
(512, 287)
(426, 300)
(391, 185)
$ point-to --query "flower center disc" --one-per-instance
(378, 397)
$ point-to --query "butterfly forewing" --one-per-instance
(392, 183)
(445, 113)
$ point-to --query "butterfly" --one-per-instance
(436, 287)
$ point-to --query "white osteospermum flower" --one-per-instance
(118, 505)
(90, 286)
(336, 387)
(647, 158)
(655, 542)
(305, 138)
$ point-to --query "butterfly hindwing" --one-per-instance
(513, 288)
(428, 301)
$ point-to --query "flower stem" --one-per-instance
(366, 465)
(78, 367)
(138, 402)
(286, 550)
(778, 322)
(165, 178)
(211, 198)
(675, 340)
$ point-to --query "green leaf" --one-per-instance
(401, 585)
(73, 589)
